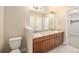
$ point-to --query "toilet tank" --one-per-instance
(15, 42)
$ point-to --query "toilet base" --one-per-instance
(15, 51)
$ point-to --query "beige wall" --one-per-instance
(60, 17)
(15, 21)
(1, 28)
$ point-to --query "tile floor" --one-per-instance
(64, 49)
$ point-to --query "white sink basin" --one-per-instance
(35, 35)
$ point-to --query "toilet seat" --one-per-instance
(15, 51)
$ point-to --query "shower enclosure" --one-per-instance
(73, 27)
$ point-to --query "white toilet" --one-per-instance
(15, 44)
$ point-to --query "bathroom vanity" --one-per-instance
(43, 34)
(47, 41)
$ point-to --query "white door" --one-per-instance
(73, 30)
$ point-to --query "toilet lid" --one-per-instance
(15, 51)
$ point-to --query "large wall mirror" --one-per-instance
(41, 22)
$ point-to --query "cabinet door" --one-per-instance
(44, 45)
(42, 48)
(36, 47)
(61, 40)
(52, 43)
(47, 45)
(58, 40)
(62, 37)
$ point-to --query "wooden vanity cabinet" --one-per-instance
(46, 43)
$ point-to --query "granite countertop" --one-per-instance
(45, 33)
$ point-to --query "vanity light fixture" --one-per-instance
(37, 7)
(53, 11)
